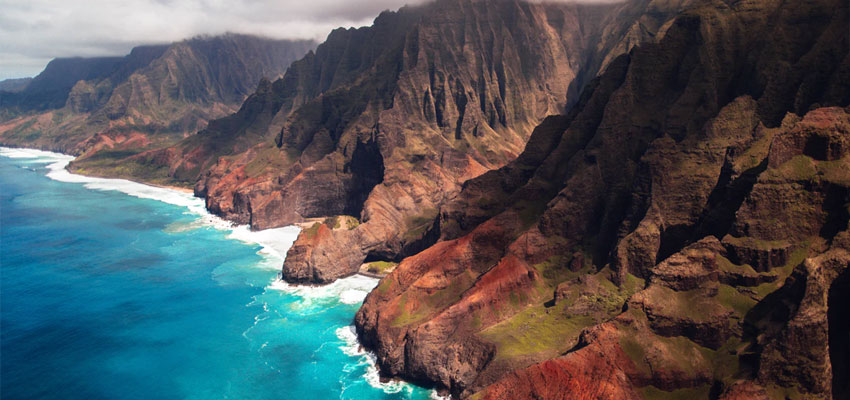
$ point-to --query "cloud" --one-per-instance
(33, 32)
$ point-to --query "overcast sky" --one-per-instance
(32, 32)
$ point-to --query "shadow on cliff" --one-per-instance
(838, 301)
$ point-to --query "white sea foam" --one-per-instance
(32, 153)
(351, 290)
(274, 242)
(58, 162)
(274, 245)
(351, 347)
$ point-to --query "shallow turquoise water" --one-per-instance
(110, 296)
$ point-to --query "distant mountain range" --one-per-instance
(153, 96)
(14, 85)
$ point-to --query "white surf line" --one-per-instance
(351, 290)
(352, 348)
(274, 242)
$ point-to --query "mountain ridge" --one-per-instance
(154, 95)
(443, 93)
(642, 243)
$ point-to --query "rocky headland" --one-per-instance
(384, 124)
(680, 233)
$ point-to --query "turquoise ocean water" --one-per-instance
(115, 290)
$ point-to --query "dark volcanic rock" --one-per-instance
(384, 123)
(763, 256)
(801, 354)
(732, 126)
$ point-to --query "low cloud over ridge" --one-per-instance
(33, 32)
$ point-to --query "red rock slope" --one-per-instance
(384, 123)
(682, 232)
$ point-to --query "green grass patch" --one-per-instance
(451, 293)
(116, 164)
(407, 317)
(837, 171)
(755, 153)
(536, 330)
(419, 223)
(725, 265)
(384, 286)
(798, 168)
(270, 158)
(555, 270)
(731, 298)
(635, 352)
(341, 221)
(349, 221)
(796, 258)
(632, 284)
(783, 393)
(332, 222)
(381, 267)
(437, 300)
(311, 232)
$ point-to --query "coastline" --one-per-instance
(57, 163)
(175, 188)
(274, 244)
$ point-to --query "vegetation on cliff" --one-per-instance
(682, 231)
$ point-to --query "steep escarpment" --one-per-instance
(105, 108)
(682, 231)
(384, 123)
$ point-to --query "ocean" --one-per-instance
(111, 289)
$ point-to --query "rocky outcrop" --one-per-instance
(809, 350)
(384, 123)
(109, 108)
(700, 179)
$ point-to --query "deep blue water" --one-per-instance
(110, 296)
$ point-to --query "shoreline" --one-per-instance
(349, 290)
(183, 197)
(175, 188)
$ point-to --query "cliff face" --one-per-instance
(153, 96)
(384, 123)
(681, 231)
